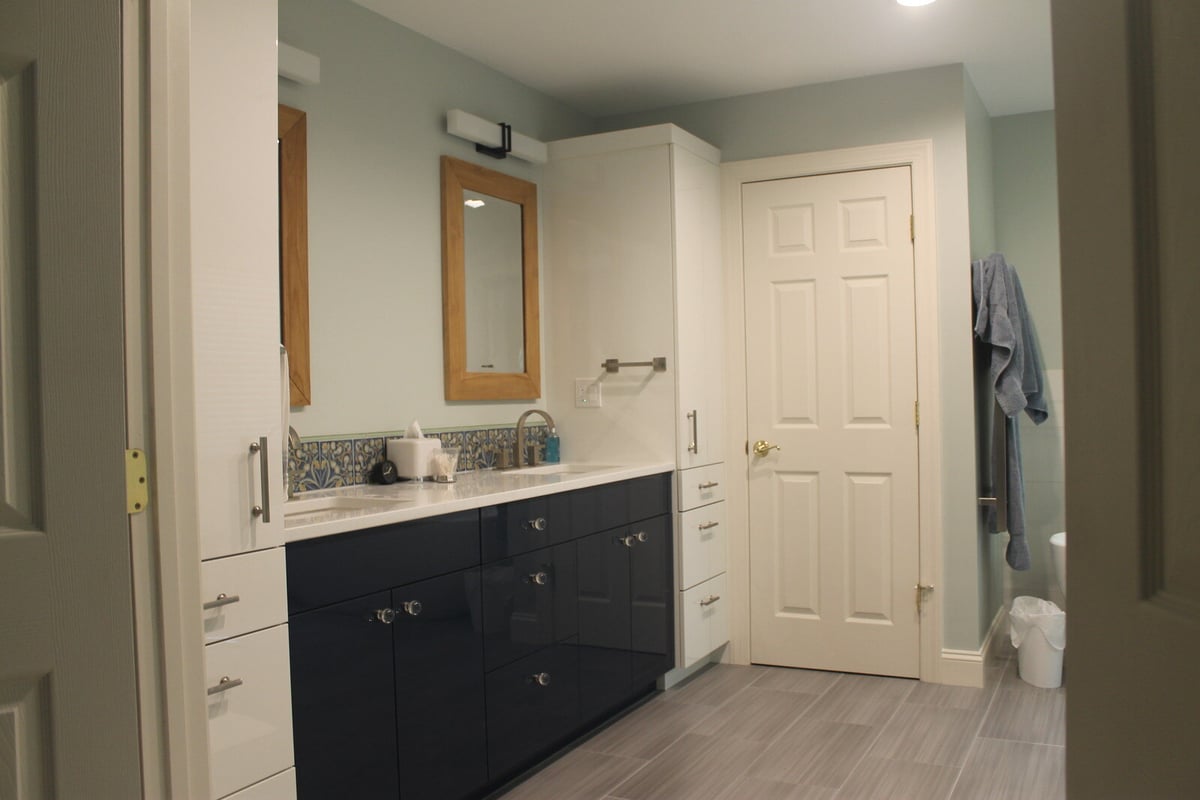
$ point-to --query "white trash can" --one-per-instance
(1038, 629)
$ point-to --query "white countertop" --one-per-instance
(372, 505)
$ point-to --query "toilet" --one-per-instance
(1058, 551)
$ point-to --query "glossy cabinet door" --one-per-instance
(343, 701)
(532, 707)
(651, 601)
(528, 603)
(604, 633)
(439, 713)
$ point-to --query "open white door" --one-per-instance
(68, 702)
(1127, 74)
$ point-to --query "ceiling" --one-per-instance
(606, 57)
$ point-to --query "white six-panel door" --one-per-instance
(831, 380)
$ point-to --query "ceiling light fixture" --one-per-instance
(914, 2)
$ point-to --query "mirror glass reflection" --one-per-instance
(494, 285)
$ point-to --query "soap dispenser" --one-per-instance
(552, 454)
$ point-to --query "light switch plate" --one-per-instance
(587, 393)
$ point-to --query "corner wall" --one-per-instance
(919, 104)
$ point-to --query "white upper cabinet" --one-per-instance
(235, 275)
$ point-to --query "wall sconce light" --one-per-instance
(497, 140)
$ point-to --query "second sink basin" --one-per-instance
(558, 469)
(335, 503)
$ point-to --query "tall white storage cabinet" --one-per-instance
(633, 272)
(235, 285)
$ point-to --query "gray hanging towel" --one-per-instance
(1016, 375)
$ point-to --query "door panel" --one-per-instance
(529, 602)
(66, 618)
(604, 633)
(831, 360)
(651, 600)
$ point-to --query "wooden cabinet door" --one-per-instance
(438, 653)
(604, 634)
(343, 704)
(651, 601)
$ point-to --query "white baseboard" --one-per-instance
(681, 674)
(966, 667)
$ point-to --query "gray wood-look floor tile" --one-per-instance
(927, 734)
(1036, 717)
(885, 779)
(966, 698)
(714, 686)
(809, 681)
(1005, 770)
(579, 775)
(649, 730)
(862, 699)
(695, 767)
(759, 715)
(815, 752)
(758, 789)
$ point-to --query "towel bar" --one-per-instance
(615, 364)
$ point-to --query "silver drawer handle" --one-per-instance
(712, 598)
(222, 600)
(412, 607)
(540, 678)
(538, 524)
(264, 475)
(708, 485)
(224, 685)
(708, 525)
(539, 578)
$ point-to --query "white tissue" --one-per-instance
(414, 431)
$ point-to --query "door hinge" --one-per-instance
(912, 228)
(917, 414)
(137, 486)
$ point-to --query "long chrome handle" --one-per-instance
(540, 678)
(264, 474)
(222, 600)
(224, 685)
(538, 524)
(712, 598)
(540, 577)
(694, 447)
(704, 526)
(708, 485)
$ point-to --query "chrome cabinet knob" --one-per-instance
(626, 540)
(385, 615)
(540, 678)
(540, 578)
(412, 607)
(641, 536)
(538, 524)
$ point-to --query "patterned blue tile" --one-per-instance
(300, 466)
(367, 453)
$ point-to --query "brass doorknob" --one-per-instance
(762, 447)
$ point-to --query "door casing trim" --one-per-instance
(918, 155)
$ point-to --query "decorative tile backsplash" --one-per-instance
(331, 463)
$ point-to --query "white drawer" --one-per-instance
(701, 544)
(700, 486)
(249, 724)
(258, 581)
(276, 787)
(705, 619)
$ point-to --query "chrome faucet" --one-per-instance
(520, 447)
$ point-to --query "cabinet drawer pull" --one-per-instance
(706, 526)
(264, 476)
(540, 678)
(412, 607)
(540, 577)
(694, 446)
(626, 540)
(225, 684)
(538, 524)
(385, 615)
(712, 598)
(222, 600)
(641, 536)
(708, 485)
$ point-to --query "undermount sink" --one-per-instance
(335, 503)
(558, 469)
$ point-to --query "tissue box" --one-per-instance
(412, 456)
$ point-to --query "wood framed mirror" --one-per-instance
(293, 251)
(490, 316)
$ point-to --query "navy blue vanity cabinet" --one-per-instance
(344, 719)
(525, 525)
(439, 713)
(528, 603)
(651, 600)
